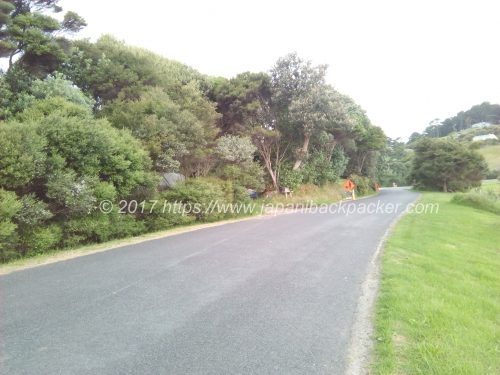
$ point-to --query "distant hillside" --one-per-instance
(492, 156)
(485, 112)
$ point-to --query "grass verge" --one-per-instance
(492, 155)
(438, 309)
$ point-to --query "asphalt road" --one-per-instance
(272, 295)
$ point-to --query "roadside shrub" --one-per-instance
(163, 215)
(9, 207)
(99, 227)
(364, 185)
(198, 196)
(290, 178)
(482, 200)
(321, 169)
(38, 240)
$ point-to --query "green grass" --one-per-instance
(492, 156)
(438, 310)
(493, 185)
(330, 193)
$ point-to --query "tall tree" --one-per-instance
(27, 32)
(243, 101)
(394, 165)
(298, 95)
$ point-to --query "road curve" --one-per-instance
(272, 295)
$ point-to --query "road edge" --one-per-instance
(360, 349)
(67, 254)
(63, 255)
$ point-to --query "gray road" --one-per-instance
(273, 295)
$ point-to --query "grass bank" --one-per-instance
(438, 309)
(492, 155)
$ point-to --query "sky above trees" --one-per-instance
(406, 63)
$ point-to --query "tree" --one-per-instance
(298, 96)
(395, 163)
(447, 165)
(108, 68)
(27, 32)
(270, 150)
(370, 140)
(484, 112)
(177, 136)
(9, 207)
(236, 161)
(243, 101)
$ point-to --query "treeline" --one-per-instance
(484, 112)
(83, 122)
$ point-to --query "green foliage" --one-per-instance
(364, 185)
(244, 102)
(31, 36)
(236, 163)
(34, 235)
(9, 207)
(176, 135)
(94, 148)
(235, 149)
(442, 164)
(199, 195)
(369, 142)
(99, 227)
(165, 215)
(320, 169)
(300, 102)
(247, 175)
(61, 152)
(289, 177)
(108, 67)
(57, 85)
(61, 164)
(71, 195)
(33, 211)
(39, 239)
(339, 162)
(482, 200)
(395, 163)
(484, 112)
(36, 110)
(22, 155)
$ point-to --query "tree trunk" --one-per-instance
(303, 151)
(272, 172)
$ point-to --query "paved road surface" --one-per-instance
(273, 295)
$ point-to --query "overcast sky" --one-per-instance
(405, 62)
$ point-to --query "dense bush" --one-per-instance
(318, 170)
(198, 197)
(290, 178)
(364, 185)
(446, 165)
(9, 207)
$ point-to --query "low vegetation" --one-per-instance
(439, 301)
(491, 154)
(481, 199)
